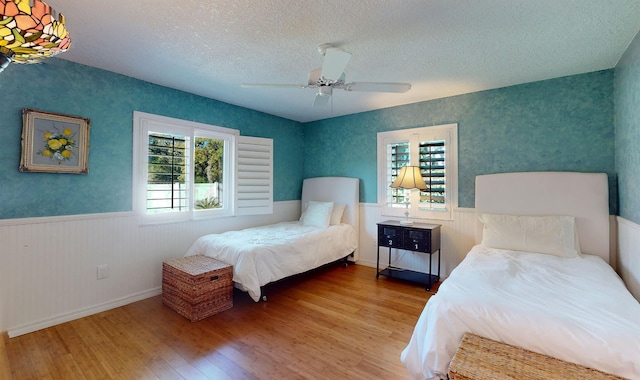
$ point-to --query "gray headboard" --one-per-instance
(343, 190)
(582, 195)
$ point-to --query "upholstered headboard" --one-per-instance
(343, 190)
(582, 195)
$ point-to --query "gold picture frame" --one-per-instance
(54, 143)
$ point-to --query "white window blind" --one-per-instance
(432, 164)
(254, 176)
(398, 155)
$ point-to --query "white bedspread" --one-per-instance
(574, 309)
(265, 254)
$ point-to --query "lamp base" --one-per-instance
(406, 221)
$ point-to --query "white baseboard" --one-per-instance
(66, 317)
(366, 263)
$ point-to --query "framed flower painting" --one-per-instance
(54, 143)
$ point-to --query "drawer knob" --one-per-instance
(213, 278)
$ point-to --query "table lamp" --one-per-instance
(409, 178)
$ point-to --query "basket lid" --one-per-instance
(196, 264)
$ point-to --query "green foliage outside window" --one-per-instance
(208, 160)
(167, 168)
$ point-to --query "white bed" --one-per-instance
(567, 305)
(262, 255)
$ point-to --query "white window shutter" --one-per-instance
(254, 176)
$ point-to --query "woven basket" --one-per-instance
(197, 286)
(480, 358)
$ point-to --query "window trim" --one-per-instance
(447, 132)
(142, 124)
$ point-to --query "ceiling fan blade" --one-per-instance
(321, 100)
(335, 61)
(323, 96)
(314, 76)
(275, 85)
(377, 87)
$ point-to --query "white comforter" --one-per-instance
(574, 309)
(265, 254)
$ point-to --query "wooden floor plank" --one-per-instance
(334, 323)
(5, 370)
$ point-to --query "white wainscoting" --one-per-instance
(458, 236)
(628, 257)
(48, 266)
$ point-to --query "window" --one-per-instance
(434, 150)
(185, 170)
(166, 188)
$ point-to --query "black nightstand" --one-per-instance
(417, 237)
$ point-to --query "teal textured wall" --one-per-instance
(563, 124)
(627, 111)
(109, 100)
(559, 124)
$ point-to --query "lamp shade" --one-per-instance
(30, 30)
(409, 178)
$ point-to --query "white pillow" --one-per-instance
(304, 208)
(554, 235)
(336, 214)
(317, 214)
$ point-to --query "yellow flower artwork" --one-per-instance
(58, 145)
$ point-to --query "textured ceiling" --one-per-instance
(441, 47)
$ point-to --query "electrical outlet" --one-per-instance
(103, 271)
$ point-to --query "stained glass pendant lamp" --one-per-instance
(30, 30)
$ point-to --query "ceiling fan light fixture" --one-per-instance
(325, 91)
(30, 30)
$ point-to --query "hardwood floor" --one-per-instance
(337, 323)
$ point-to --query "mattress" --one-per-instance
(574, 309)
(265, 254)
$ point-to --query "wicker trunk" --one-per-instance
(197, 287)
(480, 358)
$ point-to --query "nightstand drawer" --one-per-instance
(390, 236)
(417, 240)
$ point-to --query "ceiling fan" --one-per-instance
(331, 76)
